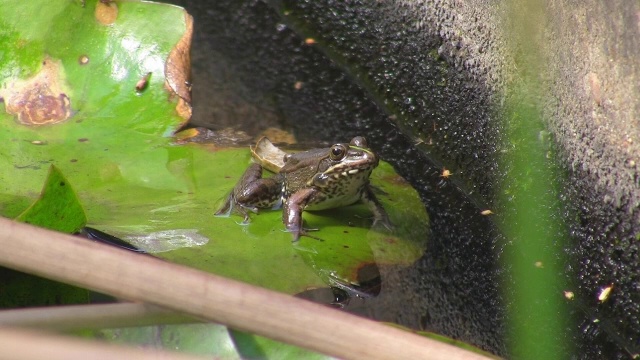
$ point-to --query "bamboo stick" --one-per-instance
(137, 277)
(92, 317)
(21, 344)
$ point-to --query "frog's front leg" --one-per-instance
(380, 216)
(292, 211)
(252, 192)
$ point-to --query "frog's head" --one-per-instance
(347, 164)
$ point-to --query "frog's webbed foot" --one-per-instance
(385, 223)
(231, 205)
(227, 207)
(380, 216)
(245, 214)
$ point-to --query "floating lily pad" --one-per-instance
(261, 252)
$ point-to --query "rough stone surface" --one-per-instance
(593, 110)
(425, 81)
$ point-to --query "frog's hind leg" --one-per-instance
(260, 193)
(380, 216)
(251, 193)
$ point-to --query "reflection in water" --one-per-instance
(154, 242)
(364, 282)
(104, 238)
(167, 240)
(363, 288)
(330, 296)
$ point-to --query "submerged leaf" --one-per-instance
(57, 208)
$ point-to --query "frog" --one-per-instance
(316, 179)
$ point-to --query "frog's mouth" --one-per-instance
(357, 169)
(360, 164)
(345, 171)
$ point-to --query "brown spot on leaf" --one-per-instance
(41, 99)
(106, 12)
(83, 60)
(178, 70)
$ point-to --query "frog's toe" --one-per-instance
(382, 224)
(244, 222)
(305, 232)
(296, 232)
(299, 232)
(224, 211)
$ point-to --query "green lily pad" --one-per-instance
(257, 347)
(180, 227)
(209, 340)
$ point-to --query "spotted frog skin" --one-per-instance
(316, 179)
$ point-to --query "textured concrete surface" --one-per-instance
(593, 60)
(425, 81)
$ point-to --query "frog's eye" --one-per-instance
(286, 157)
(359, 141)
(338, 152)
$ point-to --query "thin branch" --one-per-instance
(93, 317)
(21, 344)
